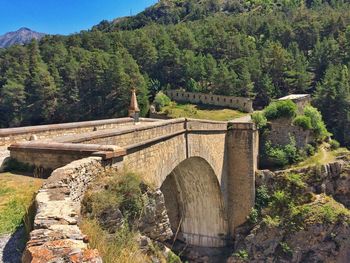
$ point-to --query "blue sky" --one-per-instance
(64, 16)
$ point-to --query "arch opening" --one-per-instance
(195, 205)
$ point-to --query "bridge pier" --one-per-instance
(242, 155)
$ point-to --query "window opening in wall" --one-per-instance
(212, 98)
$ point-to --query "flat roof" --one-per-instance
(294, 97)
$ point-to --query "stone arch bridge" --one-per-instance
(205, 169)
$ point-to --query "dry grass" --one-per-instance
(121, 247)
(16, 199)
(201, 112)
(322, 156)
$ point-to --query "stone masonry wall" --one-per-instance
(242, 152)
(138, 134)
(56, 236)
(281, 129)
(13, 135)
(240, 103)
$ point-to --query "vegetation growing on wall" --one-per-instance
(112, 208)
(282, 155)
(280, 109)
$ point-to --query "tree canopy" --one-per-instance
(260, 49)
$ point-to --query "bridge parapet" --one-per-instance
(9, 136)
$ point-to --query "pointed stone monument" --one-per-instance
(134, 110)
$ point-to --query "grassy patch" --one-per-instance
(322, 156)
(323, 210)
(16, 192)
(120, 247)
(201, 112)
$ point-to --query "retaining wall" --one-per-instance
(56, 236)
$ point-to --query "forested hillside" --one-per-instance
(262, 49)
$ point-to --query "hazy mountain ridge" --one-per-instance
(21, 36)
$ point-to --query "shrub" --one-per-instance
(334, 144)
(280, 109)
(280, 201)
(119, 191)
(271, 221)
(173, 258)
(253, 216)
(262, 197)
(275, 155)
(286, 249)
(309, 149)
(242, 254)
(317, 123)
(259, 119)
(303, 122)
(161, 100)
(292, 152)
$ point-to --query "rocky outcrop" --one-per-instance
(332, 179)
(155, 222)
(316, 226)
(56, 236)
(318, 242)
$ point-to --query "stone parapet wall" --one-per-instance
(56, 236)
(135, 134)
(240, 103)
(13, 135)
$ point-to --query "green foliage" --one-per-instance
(280, 109)
(276, 155)
(271, 222)
(161, 100)
(259, 119)
(303, 122)
(280, 200)
(262, 197)
(286, 248)
(173, 258)
(265, 49)
(310, 150)
(334, 144)
(279, 156)
(317, 123)
(253, 216)
(242, 254)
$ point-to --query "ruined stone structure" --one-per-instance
(301, 100)
(205, 170)
(282, 129)
(239, 103)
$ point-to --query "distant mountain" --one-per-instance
(21, 36)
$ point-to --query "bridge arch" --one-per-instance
(195, 204)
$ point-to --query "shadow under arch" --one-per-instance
(195, 204)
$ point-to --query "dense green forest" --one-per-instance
(261, 49)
